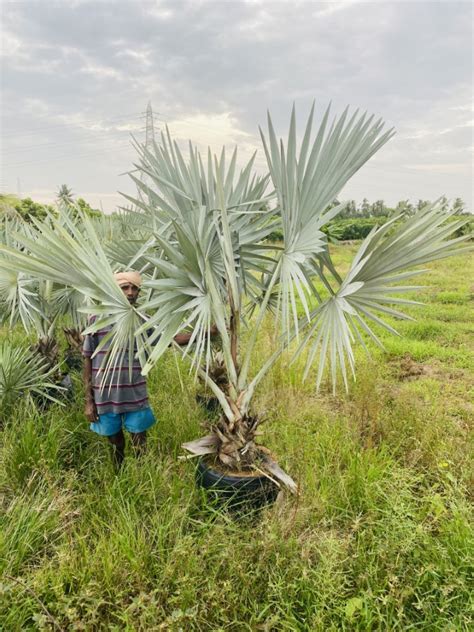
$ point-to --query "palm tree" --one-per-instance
(206, 260)
(65, 195)
(8, 202)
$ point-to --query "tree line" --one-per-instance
(26, 208)
(365, 209)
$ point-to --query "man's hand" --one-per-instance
(184, 338)
(90, 409)
(91, 412)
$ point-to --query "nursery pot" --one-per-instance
(211, 405)
(236, 491)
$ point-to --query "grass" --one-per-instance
(380, 537)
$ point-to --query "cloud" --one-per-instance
(141, 57)
(330, 8)
(12, 47)
(451, 167)
(80, 73)
(100, 71)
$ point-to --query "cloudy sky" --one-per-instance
(77, 76)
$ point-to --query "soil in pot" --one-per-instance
(238, 491)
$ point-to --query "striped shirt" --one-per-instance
(122, 393)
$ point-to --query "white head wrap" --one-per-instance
(124, 278)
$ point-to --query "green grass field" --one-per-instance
(379, 538)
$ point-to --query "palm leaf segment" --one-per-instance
(22, 297)
(25, 298)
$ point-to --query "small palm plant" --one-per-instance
(24, 376)
(207, 263)
(34, 303)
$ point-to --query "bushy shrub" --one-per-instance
(343, 229)
(359, 228)
(352, 228)
(467, 229)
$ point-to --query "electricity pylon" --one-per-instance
(149, 140)
(149, 128)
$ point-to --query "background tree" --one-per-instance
(349, 210)
(65, 199)
(404, 206)
(444, 204)
(365, 208)
(458, 206)
(29, 209)
(65, 195)
(421, 204)
(378, 209)
(87, 209)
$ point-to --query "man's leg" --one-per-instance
(139, 442)
(110, 425)
(137, 423)
(117, 442)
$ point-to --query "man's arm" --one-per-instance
(183, 339)
(90, 408)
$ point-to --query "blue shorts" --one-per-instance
(136, 421)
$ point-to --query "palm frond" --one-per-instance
(387, 256)
(306, 182)
(19, 300)
(23, 373)
(58, 252)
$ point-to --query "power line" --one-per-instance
(72, 124)
(104, 134)
(84, 139)
(120, 144)
(116, 143)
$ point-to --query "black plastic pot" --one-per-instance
(210, 405)
(66, 394)
(74, 361)
(236, 492)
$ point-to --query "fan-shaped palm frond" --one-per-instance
(306, 182)
(69, 301)
(386, 257)
(59, 252)
(23, 374)
(19, 301)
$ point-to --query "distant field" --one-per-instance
(380, 537)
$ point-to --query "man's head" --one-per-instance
(130, 283)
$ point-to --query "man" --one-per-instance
(125, 403)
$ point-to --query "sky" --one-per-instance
(76, 78)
